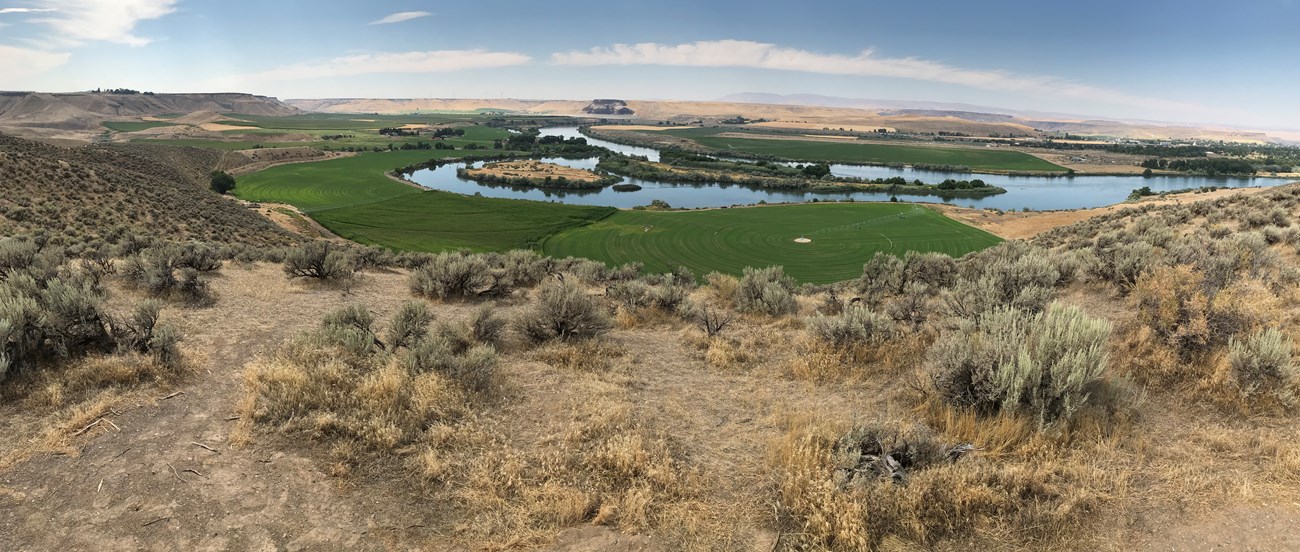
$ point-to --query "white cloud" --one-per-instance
(438, 61)
(25, 10)
(17, 63)
(400, 17)
(743, 53)
(76, 22)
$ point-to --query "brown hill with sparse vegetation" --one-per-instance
(85, 111)
(87, 195)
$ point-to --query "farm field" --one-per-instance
(345, 132)
(856, 152)
(844, 236)
(353, 198)
(133, 126)
(441, 221)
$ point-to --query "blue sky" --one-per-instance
(1189, 61)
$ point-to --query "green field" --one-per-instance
(353, 198)
(844, 236)
(360, 131)
(133, 126)
(855, 152)
(439, 221)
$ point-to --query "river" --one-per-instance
(1034, 192)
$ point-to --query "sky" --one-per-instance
(1190, 61)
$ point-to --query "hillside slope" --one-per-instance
(80, 195)
(85, 111)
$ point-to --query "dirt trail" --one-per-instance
(121, 492)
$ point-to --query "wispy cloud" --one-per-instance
(18, 63)
(437, 61)
(25, 10)
(400, 17)
(76, 22)
(743, 53)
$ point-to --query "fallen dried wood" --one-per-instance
(208, 448)
(88, 426)
(155, 521)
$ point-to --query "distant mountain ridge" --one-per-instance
(901, 106)
(86, 110)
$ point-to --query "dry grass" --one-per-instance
(49, 410)
(593, 355)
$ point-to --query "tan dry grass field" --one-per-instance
(531, 169)
(1017, 225)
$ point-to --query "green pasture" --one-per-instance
(844, 236)
(440, 221)
(132, 126)
(867, 152)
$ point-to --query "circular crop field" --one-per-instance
(843, 237)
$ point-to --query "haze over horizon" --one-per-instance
(1181, 62)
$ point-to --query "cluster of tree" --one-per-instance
(221, 182)
(121, 91)
(1209, 166)
(951, 184)
(445, 132)
(815, 170)
(390, 131)
(336, 136)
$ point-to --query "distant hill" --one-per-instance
(86, 110)
(88, 194)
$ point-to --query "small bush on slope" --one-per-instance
(318, 260)
(563, 312)
(766, 291)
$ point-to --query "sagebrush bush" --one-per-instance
(172, 271)
(1012, 361)
(140, 332)
(410, 325)
(319, 260)
(856, 326)
(451, 276)
(881, 276)
(766, 291)
(933, 269)
(563, 312)
(483, 327)
(1262, 363)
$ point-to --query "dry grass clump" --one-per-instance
(590, 355)
(344, 385)
(1217, 344)
(855, 488)
(604, 468)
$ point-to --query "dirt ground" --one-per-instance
(165, 476)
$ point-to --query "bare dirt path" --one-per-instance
(150, 487)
